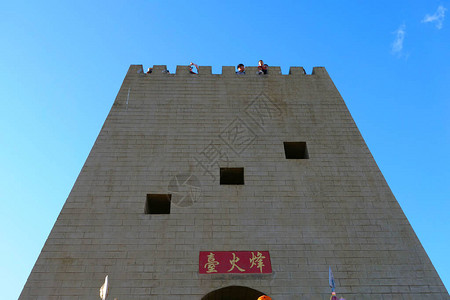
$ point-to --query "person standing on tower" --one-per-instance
(241, 69)
(191, 68)
(262, 67)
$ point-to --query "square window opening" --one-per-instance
(296, 150)
(158, 204)
(231, 175)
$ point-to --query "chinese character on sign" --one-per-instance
(233, 263)
(211, 264)
(257, 260)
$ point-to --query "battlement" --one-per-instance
(250, 71)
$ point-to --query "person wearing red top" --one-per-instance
(191, 68)
(262, 67)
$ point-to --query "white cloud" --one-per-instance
(438, 17)
(397, 45)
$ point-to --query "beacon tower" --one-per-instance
(227, 187)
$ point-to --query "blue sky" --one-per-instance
(62, 64)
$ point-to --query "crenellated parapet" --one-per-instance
(250, 71)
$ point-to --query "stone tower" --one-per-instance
(225, 186)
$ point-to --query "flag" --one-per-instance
(104, 289)
(331, 280)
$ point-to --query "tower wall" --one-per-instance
(171, 134)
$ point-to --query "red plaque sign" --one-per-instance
(224, 262)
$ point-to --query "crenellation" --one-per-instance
(228, 70)
(297, 71)
(274, 70)
(252, 71)
(159, 70)
(135, 69)
(183, 70)
(320, 72)
(204, 70)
